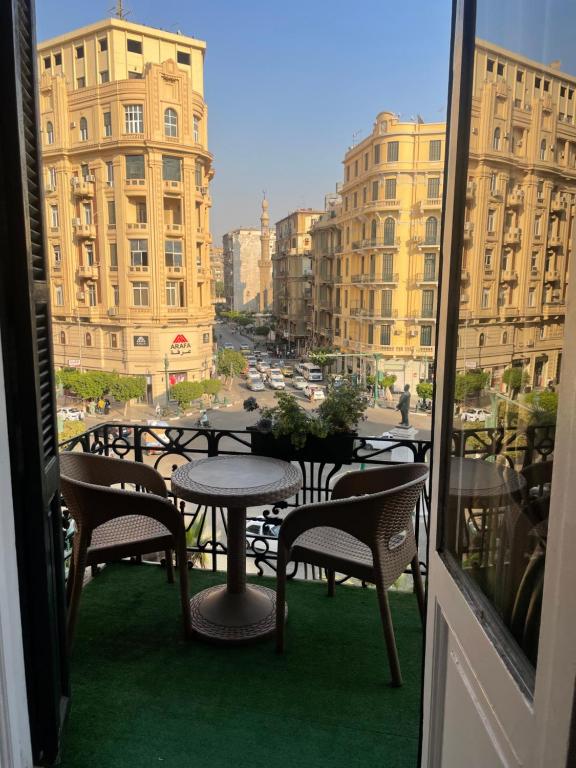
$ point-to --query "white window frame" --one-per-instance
(140, 293)
(83, 129)
(170, 122)
(138, 252)
(196, 129)
(54, 218)
(92, 295)
(133, 118)
(58, 295)
(173, 253)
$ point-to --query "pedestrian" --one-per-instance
(158, 410)
(100, 406)
(106, 406)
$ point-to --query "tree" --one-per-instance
(230, 363)
(515, 378)
(262, 330)
(322, 356)
(211, 386)
(244, 320)
(219, 288)
(544, 407)
(186, 391)
(470, 384)
(387, 380)
(126, 388)
(89, 385)
(425, 390)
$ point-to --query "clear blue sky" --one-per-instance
(288, 83)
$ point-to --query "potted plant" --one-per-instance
(287, 431)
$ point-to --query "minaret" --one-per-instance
(265, 263)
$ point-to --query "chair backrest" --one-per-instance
(82, 473)
(538, 475)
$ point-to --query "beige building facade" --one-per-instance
(126, 169)
(242, 249)
(292, 276)
(382, 279)
(519, 218)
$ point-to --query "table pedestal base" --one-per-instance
(224, 617)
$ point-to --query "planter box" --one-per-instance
(335, 449)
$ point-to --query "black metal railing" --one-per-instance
(166, 448)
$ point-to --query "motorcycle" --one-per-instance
(203, 421)
(424, 405)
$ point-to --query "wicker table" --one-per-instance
(235, 612)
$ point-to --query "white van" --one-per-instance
(311, 372)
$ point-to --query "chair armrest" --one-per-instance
(106, 471)
(101, 504)
(333, 514)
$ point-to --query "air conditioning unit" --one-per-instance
(91, 177)
(530, 343)
(413, 333)
(75, 181)
(203, 190)
(80, 295)
(112, 311)
(73, 125)
(76, 222)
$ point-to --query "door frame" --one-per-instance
(526, 717)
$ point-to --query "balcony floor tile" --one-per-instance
(142, 696)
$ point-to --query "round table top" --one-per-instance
(236, 481)
(483, 479)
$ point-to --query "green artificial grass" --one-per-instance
(142, 696)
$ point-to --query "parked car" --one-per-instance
(274, 372)
(262, 366)
(299, 382)
(276, 382)
(252, 362)
(475, 414)
(251, 372)
(287, 371)
(156, 439)
(255, 384)
(314, 392)
(244, 348)
(262, 535)
(70, 414)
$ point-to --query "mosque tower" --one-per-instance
(265, 263)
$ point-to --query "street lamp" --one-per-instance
(166, 364)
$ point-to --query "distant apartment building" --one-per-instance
(242, 254)
(126, 169)
(292, 277)
(326, 246)
(217, 274)
(384, 277)
(518, 234)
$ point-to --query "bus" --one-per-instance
(311, 372)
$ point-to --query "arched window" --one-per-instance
(170, 122)
(481, 340)
(389, 231)
(496, 139)
(88, 339)
(373, 230)
(83, 129)
(543, 149)
(49, 133)
(505, 337)
(196, 129)
(62, 337)
(431, 230)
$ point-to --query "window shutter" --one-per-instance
(29, 384)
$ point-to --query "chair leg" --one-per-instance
(331, 574)
(76, 589)
(70, 581)
(169, 566)
(180, 550)
(386, 617)
(418, 587)
(280, 597)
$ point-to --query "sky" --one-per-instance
(290, 84)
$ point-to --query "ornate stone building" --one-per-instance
(126, 167)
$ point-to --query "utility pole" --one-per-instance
(166, 364)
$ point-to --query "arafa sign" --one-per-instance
(180, 345)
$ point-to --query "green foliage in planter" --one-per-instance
(343, 408)
(186, 391)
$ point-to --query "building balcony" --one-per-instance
(85, 231)
(360, 245)
(175, 269)
(173, 229)
(427, 277)
(509, 276)
(552, 275)
(515, 199)
(88, 272)
(559, 203)
(553, 307)
(137, 225)
(83, 187)
(172, 187)
(432, 202)
(556, 242)
(427, 243)
(513, 236)
(465, 275)
(470, 191)
(388, 278)
(138, 268)
(132, 183)
(468, 231)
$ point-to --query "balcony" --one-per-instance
(465, 275)
(174, 229)
(131, 183)
(552, 275)
(470, 191)
(432, 202)
(515, 199)
(426, 277)
(556, 242)
(509, 276)
(172, 187)
(87, 231)
(513, 236)
(468, 231)
(559, 203)
(360, 245)
(137, 225)
(88, 272)
(83, 187)
(388, 277)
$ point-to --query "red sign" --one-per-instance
(180, 345)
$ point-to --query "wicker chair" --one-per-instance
(364, 531)
(113, 523)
